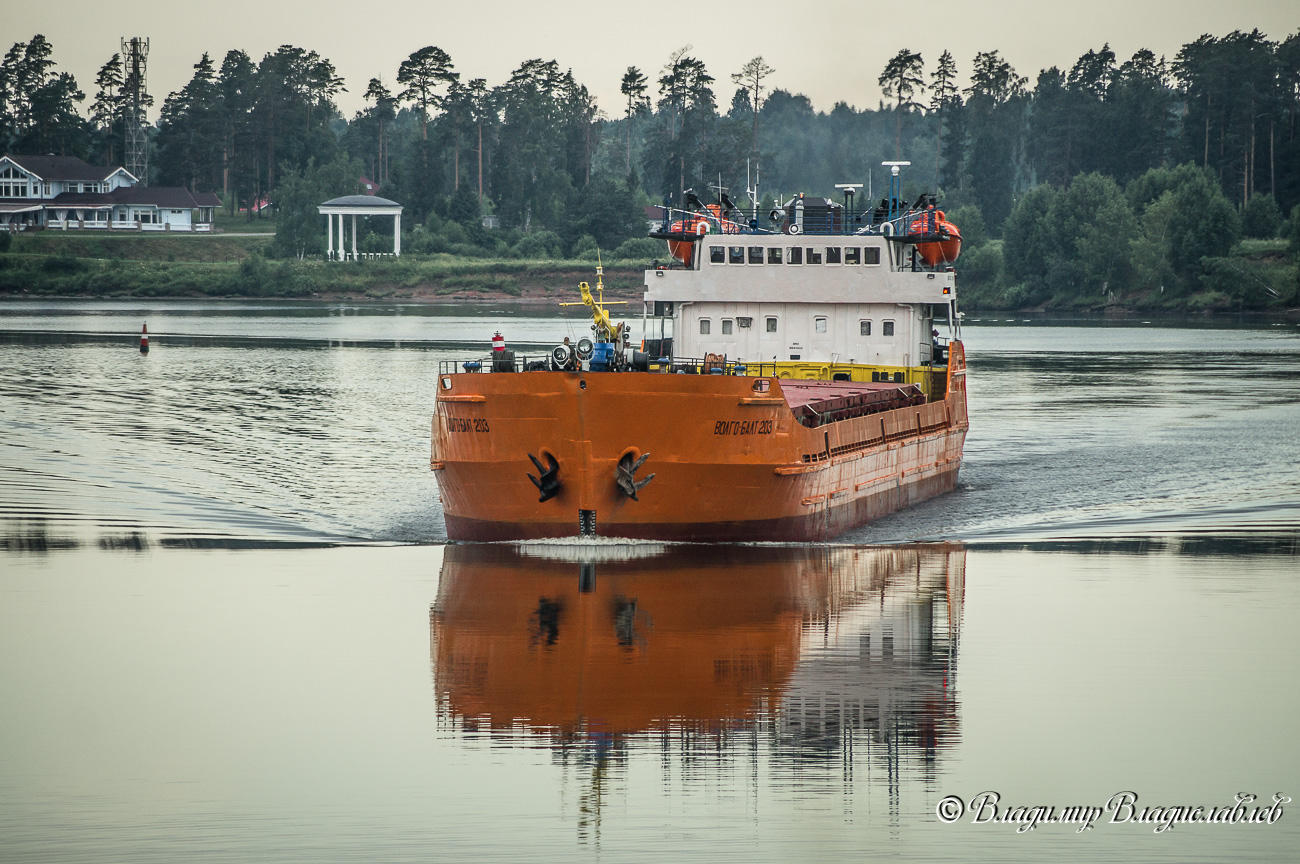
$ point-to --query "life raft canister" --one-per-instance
(498, 341)
(934, 252)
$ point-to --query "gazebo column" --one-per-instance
(397, 235)
(354, 237)
(329, 224)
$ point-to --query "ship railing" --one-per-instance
(542, 362)
(514, 363)
(821, 221)
(713, 366)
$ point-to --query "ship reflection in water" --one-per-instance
(815, 661)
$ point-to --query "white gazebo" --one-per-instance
(354, 206)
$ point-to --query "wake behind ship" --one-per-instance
(791, 385)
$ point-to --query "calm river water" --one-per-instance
(230, 628)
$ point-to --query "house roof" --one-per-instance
(80, 199)
(167, 197)
(63, 168)
(159, 196)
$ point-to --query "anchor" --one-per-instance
(548, 483)
(625, 475)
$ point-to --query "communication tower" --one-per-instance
(135, 51)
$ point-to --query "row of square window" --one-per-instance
(794, 255)
(19, 188)
(819, 326)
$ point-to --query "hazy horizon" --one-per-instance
(807, 50)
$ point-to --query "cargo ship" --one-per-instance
(791, 384)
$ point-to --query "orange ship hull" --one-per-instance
(730, 461)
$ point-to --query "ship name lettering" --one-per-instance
(742, 427)
(466, 424)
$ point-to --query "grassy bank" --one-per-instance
(209, 248)
(439, 276)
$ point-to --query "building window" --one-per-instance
(47, 190)
(704, 326)
(870, 254)
(727, 324)
(814, 255)
(755, 254)
(852, 255)
(887, 329)
(735, 254)
(832, 254)
(774, 255)
(819, 325)
(717, 254)
(864, 328)
(794, 255)
(771, 325)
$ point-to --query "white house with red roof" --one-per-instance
(63, 192)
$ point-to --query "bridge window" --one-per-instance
(832, 255)
(887, 329)
(771, 325)
(755, 254)
(735, 254)
(794, 255)
(864, 328)
(852, 255)
(774, 255)
(819, 325)
(814, 255)
(717, 254)
(727, 324)
(704, 326)
(870, 254)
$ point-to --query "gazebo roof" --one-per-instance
(366, 202)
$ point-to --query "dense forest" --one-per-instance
(1107, 176)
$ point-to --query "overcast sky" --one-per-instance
(832, 51)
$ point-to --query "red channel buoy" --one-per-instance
(144, 339)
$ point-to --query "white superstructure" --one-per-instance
(824, 298)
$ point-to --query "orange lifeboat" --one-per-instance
(942, 251)
(683, 249)
(699, 225)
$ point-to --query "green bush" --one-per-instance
(62, 263)
(585, 248)
(981, 267)
(540, 245)
(1261, 217)
(640, 249)
(970, 222)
